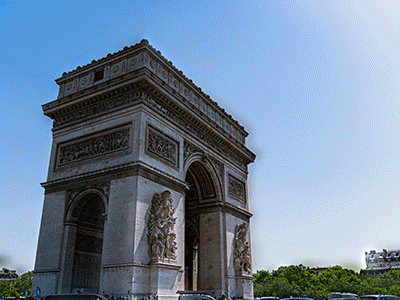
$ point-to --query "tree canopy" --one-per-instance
(297, 281)
(18, 288)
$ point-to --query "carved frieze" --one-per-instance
(194, 130)
(111, 141)
(161, 228)
(97, 108)
(128, 61)
(162, 147)
(241, 250)
(236, 188)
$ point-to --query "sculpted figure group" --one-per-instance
(241, 254)
(161, 235)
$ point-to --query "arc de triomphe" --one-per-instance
(146, 191)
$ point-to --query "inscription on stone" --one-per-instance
(162, 146)
(101, 144)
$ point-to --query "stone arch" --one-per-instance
(200, 160)
(73, 207)
(85, 218)
(117, 145)
(204, 189)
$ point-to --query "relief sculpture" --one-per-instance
(103, 144)
(236, 188)
(162, 146)
(241, 254)
(161, 234)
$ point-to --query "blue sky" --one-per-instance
(315, 83)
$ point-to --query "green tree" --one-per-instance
(18, 288)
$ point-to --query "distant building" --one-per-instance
(381, 262)
(8, 275)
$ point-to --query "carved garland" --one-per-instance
(160, 228)
(241, 253)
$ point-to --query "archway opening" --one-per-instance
(89, 215)
(201, 191)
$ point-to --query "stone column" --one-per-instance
(67, 258)
(211, 253)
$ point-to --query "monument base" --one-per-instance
(244, 286)
(165, 279)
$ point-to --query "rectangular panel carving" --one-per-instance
(162, 147)
(236, 188)
(100, 144)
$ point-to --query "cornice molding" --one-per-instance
(129, 169)
(126, 64)
(148, 92)
(238, 155)
(225, 207)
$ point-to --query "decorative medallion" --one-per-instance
(132, 62)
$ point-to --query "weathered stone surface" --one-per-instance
(146, 185)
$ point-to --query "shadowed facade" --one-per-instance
(146, 192)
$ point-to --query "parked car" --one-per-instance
(268, 298)
(379, 297)
(298, 298)
(339, 296)
(195, 295)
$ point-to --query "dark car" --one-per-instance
(298, 298)
(379, 297)
(342, 296)
(195, 295)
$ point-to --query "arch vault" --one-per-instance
(146, 192)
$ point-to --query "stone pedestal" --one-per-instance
(163, 279)
(131, 130)
(244, 286)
